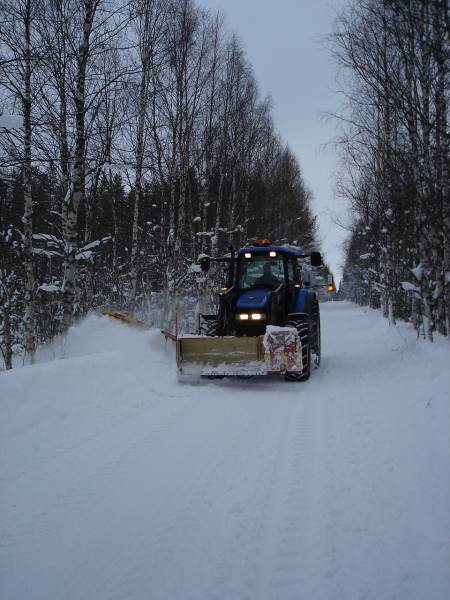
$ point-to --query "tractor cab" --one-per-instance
(264, 287)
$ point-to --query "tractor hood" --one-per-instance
(257, 299)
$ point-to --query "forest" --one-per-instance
(133, 138)
(393, 61)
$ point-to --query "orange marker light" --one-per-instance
(330, 287)
(264, 242)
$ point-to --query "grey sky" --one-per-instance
(281, 39)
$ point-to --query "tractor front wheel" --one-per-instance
(302, 325)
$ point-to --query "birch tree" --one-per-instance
(148, 15)
(99, 22)
(16, 72)
(75, 192)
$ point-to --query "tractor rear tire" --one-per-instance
(302, 325)
(316, 347)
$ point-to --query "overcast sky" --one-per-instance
(282, 43)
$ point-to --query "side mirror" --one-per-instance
(205, 263)
(316, 259)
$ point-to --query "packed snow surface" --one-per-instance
(117, 481)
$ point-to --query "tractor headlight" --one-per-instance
(251, 317)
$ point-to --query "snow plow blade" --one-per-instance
(125, 319)
(221, 355)
(278, 351)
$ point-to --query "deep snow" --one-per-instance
(119, 482)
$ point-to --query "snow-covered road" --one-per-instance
(119, 482)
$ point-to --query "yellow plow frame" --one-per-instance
(221, 355)
(276, 352)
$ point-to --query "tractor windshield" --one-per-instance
(260, 270)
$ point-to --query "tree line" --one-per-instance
(394, 70)
(142, 141)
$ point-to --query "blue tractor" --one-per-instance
(268, 317)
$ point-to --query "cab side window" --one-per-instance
(291, 267)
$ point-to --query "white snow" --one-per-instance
(417, 272)
(48, 287)
(46, 237)
(47, 253)
(94, 244)
(409, 287)
(84, 255)
(117, 481)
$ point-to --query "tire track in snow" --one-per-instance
(288, 529)
(298, 559)
(242, 554)
(195, 536)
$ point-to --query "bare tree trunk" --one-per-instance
(135, 237)
(115, 230)
(442, 167)
(5, 307)
(426, 215)
(205, 200)
(64, 144)
(75, 192)
(233, 210)
(204, 205)
(216, 239)
(88, 237)
(170, 242)
(27, 220)
(182, 210)
(7, 339)
(244, 235)
(146, 56)
(387, 145)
